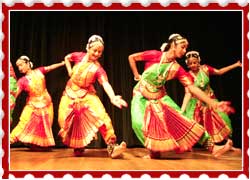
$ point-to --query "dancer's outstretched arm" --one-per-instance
(115, 99)
(54, 66)
(223, 106)
(223, 70)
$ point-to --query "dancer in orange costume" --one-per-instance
(36, 119)
(81, 113)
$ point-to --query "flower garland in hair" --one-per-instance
(177, 38)
(194, 54)
(94, 38)
(26, 59)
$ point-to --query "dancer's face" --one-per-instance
(95, 51)
(23, 66)
(181, 49)
(193, 64)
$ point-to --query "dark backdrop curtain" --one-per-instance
(47, 36)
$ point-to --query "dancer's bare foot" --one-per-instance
(238, 150)
(118, 150)
(224, 149)
(216, 148)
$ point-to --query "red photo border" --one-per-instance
(118, 6)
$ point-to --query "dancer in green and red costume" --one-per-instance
(13, 90)
(156, 119)
(215, 122)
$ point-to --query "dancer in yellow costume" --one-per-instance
(81, 113)
(36, 119)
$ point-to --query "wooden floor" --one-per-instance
(97, 159)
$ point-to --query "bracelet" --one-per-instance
(137, 79)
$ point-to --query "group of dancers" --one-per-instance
(158, 122)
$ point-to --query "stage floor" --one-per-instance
(97, 159)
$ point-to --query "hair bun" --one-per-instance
(24, 57)
(172, 36)
(95, 38)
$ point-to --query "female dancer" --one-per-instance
(156, 118)
(81, 113)
(13, 89)
(215, 122)
(36, 119)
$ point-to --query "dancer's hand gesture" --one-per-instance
(118, 101)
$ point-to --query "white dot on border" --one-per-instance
(48, 3)
(9, 3)
(87, 177)
(204, 3)
(184, 177)
(48, 177)
(1, 39)
(165, 3)
(29, 176)
(165, 177)
(2, 153)
(68, 177)
(146, 177)
(106, 3)
(87, 3)
(106, 177)
(125, 3)
(184, 3)
(67, 3)
(223, 177)
(223, 3)
(242, 2)
(145, 3)
(204, 177)
(126, 177)
(28, 3)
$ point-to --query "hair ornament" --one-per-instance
(194, 54)
(94, 38)
(163, 46)
(173, 36)
(26, 59)
(177, 38)
(23, 57)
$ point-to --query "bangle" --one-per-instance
(137, 79)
